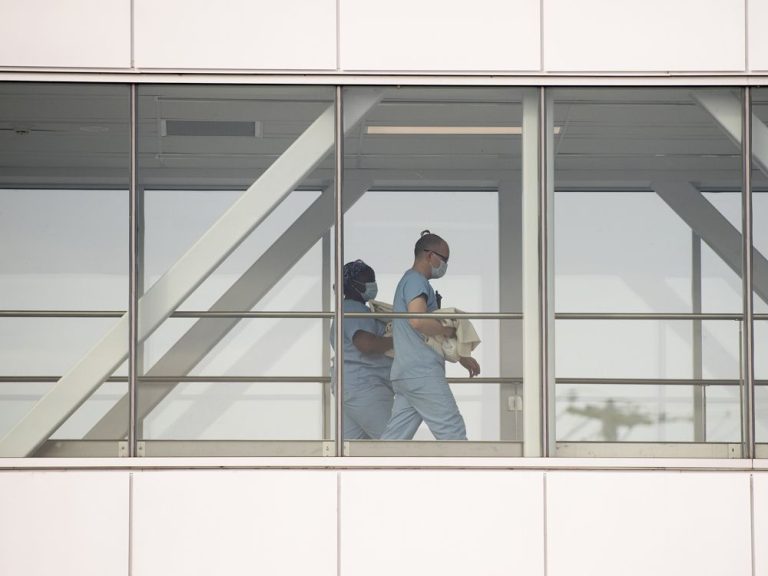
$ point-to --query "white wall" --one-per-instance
(293, 520)
(71, 34)
(453, 36)
(653, 35)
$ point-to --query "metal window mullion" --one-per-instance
(545, 277)
(747, 358)
(339, 272)
(133, 275)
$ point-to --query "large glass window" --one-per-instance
(236, 226)
(647, 271)
(63, 264)
(760, 265)
(449, 161)
(236, 204)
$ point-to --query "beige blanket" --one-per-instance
(462, 345)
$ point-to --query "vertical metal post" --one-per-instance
(531, 273)
(339, 273)
(699, 391)
(327, 398)
(511, 300)
(139, 229)
(747, 357)
(547, 396)
(133, 275)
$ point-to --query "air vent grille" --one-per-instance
(208, 128)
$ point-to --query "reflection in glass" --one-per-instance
(448, 160)
(237, 186)
(647, 221)
(63, 250)
(760, 253)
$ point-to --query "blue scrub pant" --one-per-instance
(424, 399)
(367, 409)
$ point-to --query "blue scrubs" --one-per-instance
(368, 394)
(418, 374)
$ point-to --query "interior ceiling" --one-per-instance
(66, 135)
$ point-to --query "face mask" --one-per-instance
(370, 292)
(440, 271)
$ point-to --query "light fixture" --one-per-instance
(449, 130)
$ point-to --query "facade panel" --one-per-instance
(235, 34)
(758, 42)
(648, 523)
(760, 527)
(234, 522)
(64, 523)
(488, 35)
(652, 36)
(447, 523)
(72, 34)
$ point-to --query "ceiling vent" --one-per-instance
(209, 128)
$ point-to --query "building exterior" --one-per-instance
(180, 183)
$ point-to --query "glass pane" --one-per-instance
(63, 250)
(237, 210)
(760, 245)
(647, 221)
(450, 161)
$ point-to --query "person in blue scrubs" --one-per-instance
(418, 372)
(368, 394)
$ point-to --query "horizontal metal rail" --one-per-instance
(288, 314)
(62, 313)
(233, 379)
(653, 382)
(644, 316)
(292, 314)
(457, 380)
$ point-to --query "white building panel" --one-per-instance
(438, 522)
(64, 523)
(235, 523)
(760, 488)
(71, 34)
(640, 523)
(758, 39)
(648, 36)
(440, 35)
(236, 34)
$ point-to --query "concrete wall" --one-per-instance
(296, 517)
(362, 36)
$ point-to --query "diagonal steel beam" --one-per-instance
(253, 206)
(244, 294)
(726, 110)
(714, 228)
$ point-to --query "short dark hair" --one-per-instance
(427, 241)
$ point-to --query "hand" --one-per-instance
(449, 331)
(471, 365)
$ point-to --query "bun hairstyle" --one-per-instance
(427, 241)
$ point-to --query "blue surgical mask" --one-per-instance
(370, 292)
(440, 271)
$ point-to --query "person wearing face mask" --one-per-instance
(368, 394)
(418, 372)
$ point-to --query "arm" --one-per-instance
(369, 343)
(427, 326)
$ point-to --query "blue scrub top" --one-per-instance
(413, 358)
(361, 370)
